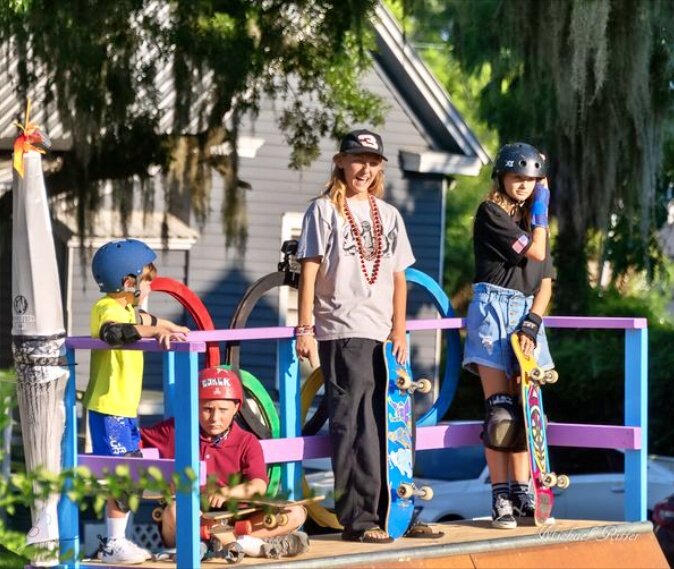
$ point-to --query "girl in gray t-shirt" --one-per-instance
(354, 251)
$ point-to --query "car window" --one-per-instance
(462, 463)
(572, 460)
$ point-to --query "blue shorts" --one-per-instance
(112, 435)
(493, 315)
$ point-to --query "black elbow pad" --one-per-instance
(117, 334)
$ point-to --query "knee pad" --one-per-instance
(503, 428)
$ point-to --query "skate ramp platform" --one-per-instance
(474, 544)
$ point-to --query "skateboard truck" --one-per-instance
(409, 490)
(272, 521)
(542, 377)
(551, 479)
(405, 383)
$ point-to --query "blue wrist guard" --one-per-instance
(539, 208)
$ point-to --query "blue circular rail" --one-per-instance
(450, 378)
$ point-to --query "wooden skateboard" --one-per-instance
(216, 521)
(543, 479)
(220, 522)
(400, 444)
(276, 510)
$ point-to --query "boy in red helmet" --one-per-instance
(230, 453)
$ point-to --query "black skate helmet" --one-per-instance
(520, 158)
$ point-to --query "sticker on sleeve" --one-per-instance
(519, 245)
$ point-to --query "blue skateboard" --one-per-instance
(400, 444)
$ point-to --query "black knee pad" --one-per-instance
(503, 427)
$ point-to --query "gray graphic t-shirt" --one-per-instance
(346, 306)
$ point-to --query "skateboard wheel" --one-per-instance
(405, 491)
(551, 376)
(157, 514)
(243, 527)
(283, 519)
(204, 532)
(403, 381)
(563, 481)
(537, 374)
(270, 521)
(426, 493)
(549, 479)
(424, 386)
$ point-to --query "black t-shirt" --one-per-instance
(500, 245)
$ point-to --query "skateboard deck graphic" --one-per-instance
(531, 379)
(400, 444)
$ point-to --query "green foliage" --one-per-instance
(22, 489)
(590, 83)
(427, 26)
(462, 202)
(105, 64)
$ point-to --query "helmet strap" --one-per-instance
(135, 289)
(222, 436)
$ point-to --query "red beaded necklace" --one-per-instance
(376, 254)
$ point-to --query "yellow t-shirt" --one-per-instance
(116, 376)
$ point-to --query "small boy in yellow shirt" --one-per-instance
(123, 270)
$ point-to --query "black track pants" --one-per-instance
(355, 384)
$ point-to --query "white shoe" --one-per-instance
(122, 551)
(45, 554)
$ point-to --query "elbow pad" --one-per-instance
(117, 334)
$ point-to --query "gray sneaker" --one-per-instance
(502, 513)
(285, 545)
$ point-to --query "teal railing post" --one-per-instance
(636, 415)
(68, 512)
(187, 456)
(289, 401)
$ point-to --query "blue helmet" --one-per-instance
(118, 259)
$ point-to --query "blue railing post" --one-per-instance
(636, 415)
(68, 512)
(289, 401)
(169, 383)
(187, 456)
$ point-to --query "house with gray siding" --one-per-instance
(426, 140)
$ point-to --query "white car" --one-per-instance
(462, 488)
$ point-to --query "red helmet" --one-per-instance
(220, 383)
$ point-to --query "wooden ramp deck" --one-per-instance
(475, 545)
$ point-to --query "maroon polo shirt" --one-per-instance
(239, 453)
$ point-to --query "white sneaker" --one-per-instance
(122, 551)
(45, 554)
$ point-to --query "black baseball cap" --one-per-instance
(362, 141)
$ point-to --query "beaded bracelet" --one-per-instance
(304, 330)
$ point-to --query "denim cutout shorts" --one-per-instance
(493, 315)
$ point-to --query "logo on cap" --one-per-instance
(368, 140)
(216, 382)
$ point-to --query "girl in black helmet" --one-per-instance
(511, 290)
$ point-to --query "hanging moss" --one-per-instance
(589, 82)
(103, 62)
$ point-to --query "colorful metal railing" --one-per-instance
(180, 376)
